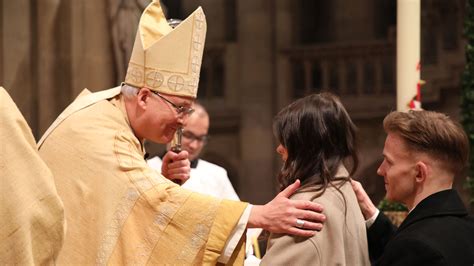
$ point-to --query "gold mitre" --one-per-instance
(165, 59)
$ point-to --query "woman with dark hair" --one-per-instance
(316, 137)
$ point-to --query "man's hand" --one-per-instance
(176, 167)
(365, 204)
(281, 215)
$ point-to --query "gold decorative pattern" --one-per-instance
(154, 79)
(200, 234)
(113, 231)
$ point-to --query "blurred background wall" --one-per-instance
(260, 55)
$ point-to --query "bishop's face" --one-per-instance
(162, 115)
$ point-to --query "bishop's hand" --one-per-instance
(282, 215)
(176, 167)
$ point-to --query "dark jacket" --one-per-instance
(437, 232)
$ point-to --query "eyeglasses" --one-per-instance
(179, 109)
(190, 136)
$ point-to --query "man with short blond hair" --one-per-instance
(423, 153)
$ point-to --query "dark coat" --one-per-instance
(437, 232)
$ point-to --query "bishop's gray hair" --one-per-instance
(129, 91)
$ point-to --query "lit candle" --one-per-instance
(408, 52)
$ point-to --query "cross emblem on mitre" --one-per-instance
(135, 74)
(154, 79)
(176, 82)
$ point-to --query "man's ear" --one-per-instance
(422, 170)
(143, 96)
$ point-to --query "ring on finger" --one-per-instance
(299, 223)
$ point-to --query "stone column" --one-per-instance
(49, 71)
(74, 52)
(17, 61)
(91, 47)
(284, 37)
(256, 99)
(2, 39)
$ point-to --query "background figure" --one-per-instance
(423, 152)
(31, 213)
(316, 135)
(205, 177)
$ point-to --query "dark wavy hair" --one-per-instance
(319, 135)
